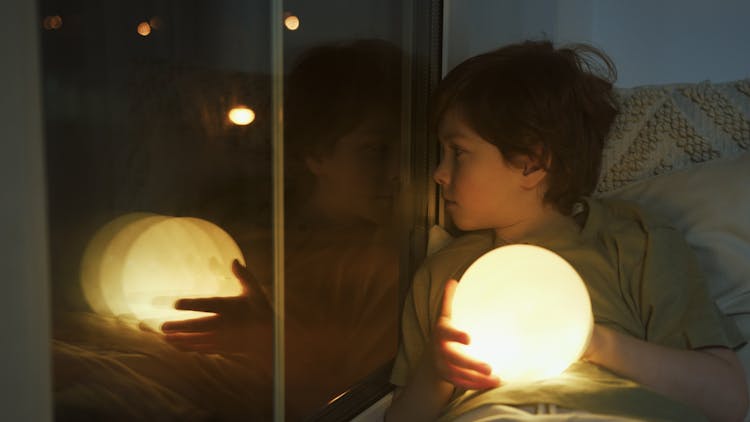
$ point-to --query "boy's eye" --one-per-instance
(458, 151)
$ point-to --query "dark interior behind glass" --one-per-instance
(137, 99)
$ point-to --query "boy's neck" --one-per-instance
(535, 224)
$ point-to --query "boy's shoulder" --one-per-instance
(626, 230)
(455, 255)
(614, 215)
(448, 262)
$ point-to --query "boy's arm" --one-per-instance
(711, 379)
(441, 368)
(422, 399)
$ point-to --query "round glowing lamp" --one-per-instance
(526, 310)
(138, 265)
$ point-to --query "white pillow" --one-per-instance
(710, 204)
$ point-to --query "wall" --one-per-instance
(25, 380)
(650, 42)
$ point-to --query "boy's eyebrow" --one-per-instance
(449, 137)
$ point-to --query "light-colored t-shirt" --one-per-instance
(643, 281)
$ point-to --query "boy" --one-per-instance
(522, 130)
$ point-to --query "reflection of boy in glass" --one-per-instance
(341, 116)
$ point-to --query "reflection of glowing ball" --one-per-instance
(52, 22)
(291, 22)
(526, 310)
(139, 264)
(144, 29)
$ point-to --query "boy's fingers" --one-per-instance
(456, 358)
(242, 274)
(250, 284)
(202, 304)
(448, 292)
(472, 384)
(467, 378)
(191, 325)
(447, 332)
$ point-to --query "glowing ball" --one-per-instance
(138, 265)
(526, 310)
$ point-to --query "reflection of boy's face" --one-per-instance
(358, 178)
(481, 190)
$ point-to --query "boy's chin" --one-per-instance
(466, 226)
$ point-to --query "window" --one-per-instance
(163, 158)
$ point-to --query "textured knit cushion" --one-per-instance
(664, 128)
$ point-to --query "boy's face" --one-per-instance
(359, 177)
(481, 190)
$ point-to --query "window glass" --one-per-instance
(159, 144)
(342, 133)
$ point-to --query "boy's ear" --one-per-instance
(533, 173)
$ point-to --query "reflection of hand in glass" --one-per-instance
(241, 324)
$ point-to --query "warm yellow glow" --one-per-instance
(241, 115)
(52, 22)
(291, 22)
(139, 264)
(526, 310)
(144, 29)
(102, 253)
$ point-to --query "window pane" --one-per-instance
(343, 119)
(138, 101)
(159, 171)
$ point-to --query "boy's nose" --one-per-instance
(441, 174)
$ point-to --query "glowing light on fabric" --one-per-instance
(138, 265)
(526, 310)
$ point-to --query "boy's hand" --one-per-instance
(600, 337)
(242, 323)
(451, 364)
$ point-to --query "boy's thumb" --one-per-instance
(448, 292)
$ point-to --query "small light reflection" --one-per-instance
(52, 22)
(241, 115)
(291, 22)
(337, 397)
(144, 29)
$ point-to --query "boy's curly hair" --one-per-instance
(554, 105)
